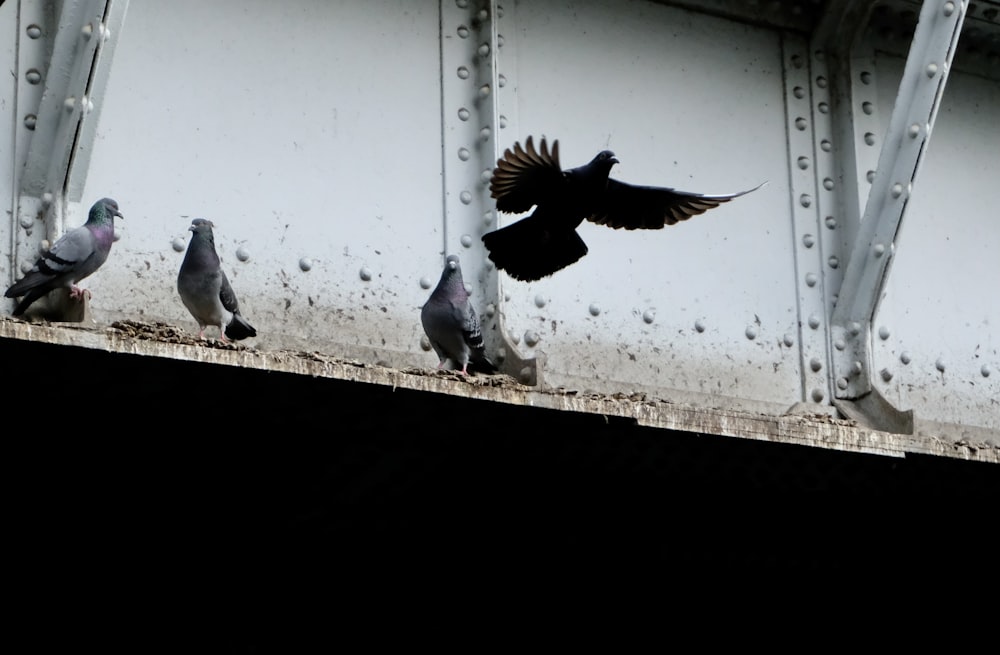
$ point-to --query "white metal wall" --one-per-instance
(342, 148)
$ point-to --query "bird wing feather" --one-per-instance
(635, 207)
(523, 176)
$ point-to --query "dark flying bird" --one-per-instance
(547, 241)
(74, 256)
(451, 323)
(205, 289)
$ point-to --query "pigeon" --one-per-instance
(75, 255)
(451, 323)
(546, 241)
(205, 289)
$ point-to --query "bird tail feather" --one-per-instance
(529, 250)
(238, 328)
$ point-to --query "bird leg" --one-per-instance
(76, 293)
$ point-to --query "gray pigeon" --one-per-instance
(547, 240)
(205, 289)
(74, 256)
(451, 323)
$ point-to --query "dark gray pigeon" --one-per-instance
(451, 323)
(546, 241)
(205, 289)
(74, 256)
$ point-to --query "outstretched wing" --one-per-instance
(634, 207)
(523, 177)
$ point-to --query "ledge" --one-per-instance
(815, 430)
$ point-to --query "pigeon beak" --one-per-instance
(119, 214)
(613, 160)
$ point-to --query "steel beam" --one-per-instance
(905, 143)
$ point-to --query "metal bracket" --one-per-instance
(905, 143)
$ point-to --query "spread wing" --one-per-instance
(635, 207)
(524, 176)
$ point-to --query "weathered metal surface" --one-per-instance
(158, 340)
(342, 166)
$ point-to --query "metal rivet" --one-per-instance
(33, 31)
(506, 297)
(854, 328)
(824, 108)
(897, 190)
(463, 114)
(805, 200)
(365, 273)
(486, 176)
(425, 282)
(503, 122)
(499, 11)
(30, 120)
(242, 254)
(826, 145)
(531, 339)
(821, 82)
(869, 139)
(818, 395)
(815, 365)
(857, 368)
(828, 183)
(878, 250)
(425, 343)
(483, 15)
(463, 72)
(305, 264)
(540, 301)
(799, 92)
(484, 91)
(833, 261)
(949, 8)
(594, 309)
(870, 176)
(464, 154)
(913, 131)
(488, 217)
(699, 326)
(26, 223)
(886, 374)
(467, 287)
(462, 4)
(797, 61)
(484, 50)
(803, 163)
(501, 80)
(814, 321)
(515, 338)
(465, 240)
(463, 31)
(788, 340)
(939, 364)
(751, 332)
(932, 69)
(465, 197)
(87, 31)
(26, 266)
(491, 310)
(811, 279)
(47, 199)
(839, 344)
(178, 244)
(69, 103)
(484, 133)
(808, 240)
(831, 222)
(866, 77)
(649, 316)
(883, 333)
(801, 123)
(868, 108)
(33, 76)
(985, 370)
(904, 357)
(842, 383)
(524, 377)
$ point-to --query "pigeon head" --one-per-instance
(201, 226)
(110, 206)
(452, 262)
(605, 158)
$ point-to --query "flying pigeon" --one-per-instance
(451, 323)
(546, 241)
(205, 289)
(75, 255)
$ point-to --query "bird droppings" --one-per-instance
(815, 429)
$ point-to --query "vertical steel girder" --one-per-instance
(904, 145)
(64, 124)
(470, 126)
